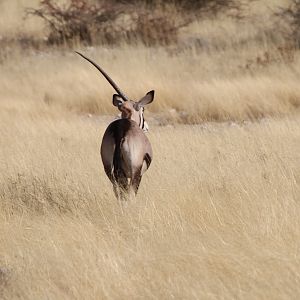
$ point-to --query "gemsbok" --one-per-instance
(125, 149)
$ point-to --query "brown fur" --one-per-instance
(122, 166)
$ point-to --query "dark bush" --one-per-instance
(76, 21)
(111, 22)
(291, 15)
(104, 22)
(211, 6)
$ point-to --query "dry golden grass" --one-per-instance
(190, 88)
(217, 214)
(13, 22)
(240, 71)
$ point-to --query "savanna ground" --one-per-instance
(217, 213)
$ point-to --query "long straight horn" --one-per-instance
(106, 76)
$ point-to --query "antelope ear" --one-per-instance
(117, 100)
(148, 98)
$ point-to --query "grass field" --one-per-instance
(217, 213)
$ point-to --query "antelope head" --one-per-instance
(129, 109)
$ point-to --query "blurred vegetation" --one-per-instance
(291, 16)
(211, 6)
(151, 22)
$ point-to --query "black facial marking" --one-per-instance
(142, 119)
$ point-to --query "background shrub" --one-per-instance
(111, 22)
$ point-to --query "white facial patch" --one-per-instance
(146, 127)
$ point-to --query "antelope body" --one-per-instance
(125, 149)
